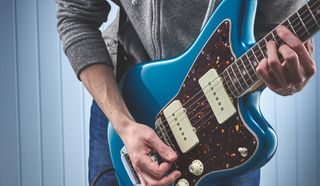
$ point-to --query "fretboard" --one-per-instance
(241, 75)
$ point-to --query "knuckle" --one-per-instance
(136, 161)
(298, 80)
(149, 137)
(313, 70)
(273, 63)
(297, 46)
(157, 174)
(153, 183)
(290, 56)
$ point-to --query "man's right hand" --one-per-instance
(140, 140)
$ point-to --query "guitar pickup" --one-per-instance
(180, 126)
(217, 96)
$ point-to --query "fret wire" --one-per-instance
(261, 49)
(292, 29)
(269, 37)
(298, 24)
(242, 75)
(247, 72)
(313, 15)
(257, 57)
(232, 83)
(252, 66)
(305, 20)
(299, 16)
(314, 24)
(230, 87)
(312, 27)
(257, 50)
(236, 82)
(275, 38)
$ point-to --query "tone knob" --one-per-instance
(182, 182)
(196, 167)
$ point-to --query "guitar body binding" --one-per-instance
(242, 143)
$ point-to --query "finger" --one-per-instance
(274, 64)
(142, 181)
(166, 180)
(157, 171)
(309, 46)
(296, 44)
(266, 75)
(162, 149)
(291, 64)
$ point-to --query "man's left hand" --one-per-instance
(291, 75)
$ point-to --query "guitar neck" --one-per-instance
(304, 23)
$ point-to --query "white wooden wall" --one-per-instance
(44, 110)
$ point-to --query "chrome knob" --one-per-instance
(182, 182)
(196, 167)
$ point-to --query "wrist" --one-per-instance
(122, 124)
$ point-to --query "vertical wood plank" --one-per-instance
(87, 107)
(307, 134)
(49, 50)
(286, 130)
(269, 110)
(317, 59)
(29, 93)
(9, 125)
(73, 127)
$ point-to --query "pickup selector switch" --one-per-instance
(196, 167)
(182, 182)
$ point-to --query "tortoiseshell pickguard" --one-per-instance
(219, 143)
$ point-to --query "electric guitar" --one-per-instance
(205, 103)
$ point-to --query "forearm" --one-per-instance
(100, 82)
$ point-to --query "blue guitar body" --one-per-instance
(147, 88)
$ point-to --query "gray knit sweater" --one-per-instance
(157, 28)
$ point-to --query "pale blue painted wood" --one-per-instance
(317, 59)
(50, 95)
(29, 100)
(74, 158)
(307, 135)
(54, 111)
(87, 105)
(286, 130)
(307, 123)
(9, 124)
(269, 171)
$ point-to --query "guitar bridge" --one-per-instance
(129, 167)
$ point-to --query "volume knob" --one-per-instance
(182, 182)
(196, 167)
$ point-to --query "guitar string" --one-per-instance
(237, 73)
(264, 46)
(203, 117)
(208, 105)
(227, 81)
(288, 25)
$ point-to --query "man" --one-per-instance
(156, 30)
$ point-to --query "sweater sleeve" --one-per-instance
(78, 26)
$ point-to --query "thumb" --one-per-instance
(162, 149)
